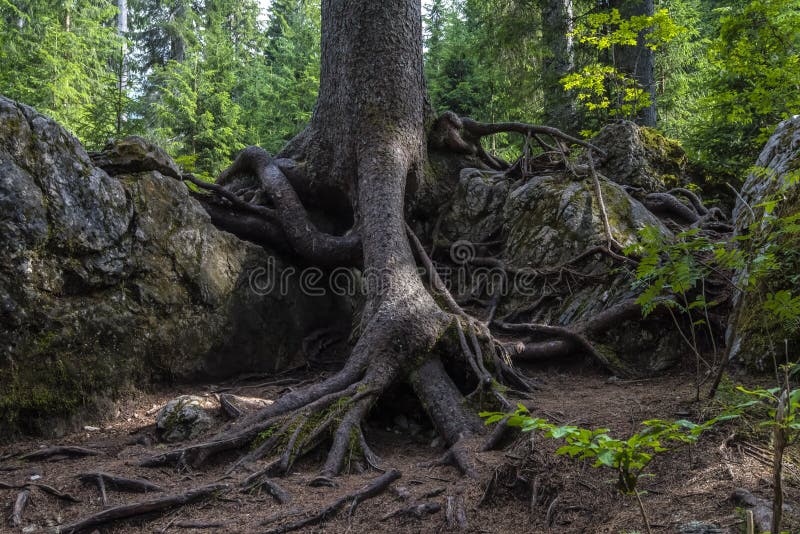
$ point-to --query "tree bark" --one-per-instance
(638, 61)
(559, 105)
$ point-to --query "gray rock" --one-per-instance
(549, 220)
(108, 283)
(640, 157)
(476, 213)
(134, 154)
(753, 335)
(184, 418)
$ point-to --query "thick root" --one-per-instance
(376, 487)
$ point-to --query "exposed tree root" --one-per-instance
(417, 511)
(455, 513)
(376, 487)
(258, 481)
(566, 340)
(130, 511)
(407, 327)
(66, 451)
(300, 232)
(463, 135)
(54, 492)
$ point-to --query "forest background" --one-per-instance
(205, 78)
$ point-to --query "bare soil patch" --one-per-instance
(690, 484)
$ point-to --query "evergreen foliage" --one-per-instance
(207, 77)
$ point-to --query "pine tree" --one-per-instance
(59, 58)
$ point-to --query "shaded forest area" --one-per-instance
(490, 265)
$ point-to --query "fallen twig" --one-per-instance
(127, 511)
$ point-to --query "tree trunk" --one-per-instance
(559, 105)
(365, 149)
(638, 62)
(122, 78)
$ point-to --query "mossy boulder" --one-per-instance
(114, 282)
(184, 418)
(641, 157)
(756, 337)
(545, 222)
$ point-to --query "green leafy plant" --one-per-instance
(673, 275)
(603, 89)
(783, 406)
(627, 457)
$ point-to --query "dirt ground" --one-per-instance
(689, 484)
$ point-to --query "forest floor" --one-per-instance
(690, 484)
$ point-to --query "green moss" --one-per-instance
(666, 155)
(263, 436)
(52, 376)
(307, 427)
(612, 360)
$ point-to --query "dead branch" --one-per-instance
(68, 451)
(133, 485)
(129, 511)
(19, 507)
(372, 489)
(598, 192)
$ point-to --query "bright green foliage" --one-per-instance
(670, 269)
(606, 30)
(627, 457)
(279, 93)
(203, 78)
(59, 58)
(602, 89)
(457, 78)
(482, 58)
(752, 83)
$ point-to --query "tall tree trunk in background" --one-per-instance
(122, 79)
(559, 105)
(638, 61)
